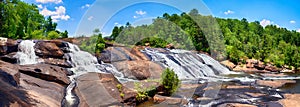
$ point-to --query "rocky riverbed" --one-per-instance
(52, 78)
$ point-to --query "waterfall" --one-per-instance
(84, 62)
(186, 64)
(81, 61)
(26, 54)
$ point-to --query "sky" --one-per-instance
(81, 17)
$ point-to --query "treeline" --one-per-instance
(19, 20)
(243, 39)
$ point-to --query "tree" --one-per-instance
(170, 81)
(53, 35)
(64, 34)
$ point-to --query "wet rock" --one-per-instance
(57, 62)
(46, 72)
(42, 92)
(290, 100)
(9, 58)
(274, 83)
(97, 89)
(235, 105)
(255, 94)
(139, 69)
(61, 44)
(167, 101)
(228, 64)
(47, 49)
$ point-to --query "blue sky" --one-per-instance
(80, 17)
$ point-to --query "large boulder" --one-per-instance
(43, 93)
(47, 72)
(97, 89)
(116, 54)
(9, 58)
(47, 49)
(12, 96)
(10, 73)
(7, 46)
(139, 69)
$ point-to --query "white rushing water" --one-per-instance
(26, 54)
(84, 62)
(188, 65)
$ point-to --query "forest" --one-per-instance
(20, 20)
(243, 40)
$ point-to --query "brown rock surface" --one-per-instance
(48, 49)
(167, 101)
(10, 72)
(8, 46)
(43, 93)
(96, 89)
(57, 62)
(236, 105)
(139, 69)
(228, 64)
(46, 72)
(291, 100)
(274, 83)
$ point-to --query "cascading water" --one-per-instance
(84, 62)
(26, 54)
(188, 65)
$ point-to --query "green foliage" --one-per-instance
(122, 95)
(153, 41)
(242, 39)
(19, 20)
(170, 81)
(94, 44)
(142, 94)
(119, 86)
(52, 35)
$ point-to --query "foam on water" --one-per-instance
(26, 54)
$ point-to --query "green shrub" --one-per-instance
(122, 95)
(170, 81)
(119, 86)
(142, 94)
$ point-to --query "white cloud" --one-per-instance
(265, 22)
(116, 23)
(298, 30)
(228, 12)
(49, 1)
(140, 12)
(135, 17)
(40, 6)
(85, 6)
(292, 21)
(91, 18)
(58, 14)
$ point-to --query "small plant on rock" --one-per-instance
(169, 81)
